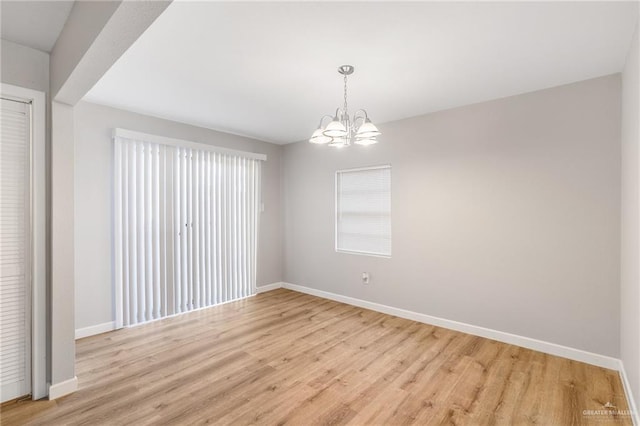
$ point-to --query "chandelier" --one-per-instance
(341, 131)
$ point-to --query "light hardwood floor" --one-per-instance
(288, 358)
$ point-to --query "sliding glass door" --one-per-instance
(186, 226)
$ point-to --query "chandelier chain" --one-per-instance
(345, 94)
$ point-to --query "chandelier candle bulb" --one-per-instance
(342, 130)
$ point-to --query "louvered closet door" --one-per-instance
(15, 368)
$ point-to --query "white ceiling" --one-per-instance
(35, 24)
(268, 70)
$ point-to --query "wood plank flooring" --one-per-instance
(284, 357)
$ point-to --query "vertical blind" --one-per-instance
(15, 224)
(186, 226)
(363, 211)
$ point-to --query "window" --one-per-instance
(363, 211)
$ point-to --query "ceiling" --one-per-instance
(36, 24)
(268, 70)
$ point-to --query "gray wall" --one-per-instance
(24, 67)
(63, 349)
(630, 257)
(93, 206)
(505, 214)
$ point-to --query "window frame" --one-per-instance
(336, 212)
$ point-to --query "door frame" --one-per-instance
(38, 234)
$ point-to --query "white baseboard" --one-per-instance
(635, 416)
(269, 287)
(63, 388)
(513, 339)
(95, 329)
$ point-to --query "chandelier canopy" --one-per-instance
(341, 131)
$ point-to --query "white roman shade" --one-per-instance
(186, 225)
(363, 211)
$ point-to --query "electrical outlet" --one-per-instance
(365, 278)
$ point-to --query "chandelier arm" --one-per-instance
(357, 117)
(323, 117)
(355, 123)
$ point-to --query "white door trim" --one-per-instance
(38, 235)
